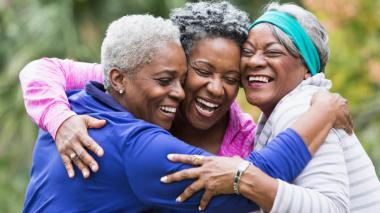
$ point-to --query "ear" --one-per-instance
(117, 79)
(307, 75)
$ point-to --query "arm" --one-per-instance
(217, 176)
(43, 84)
(143, 174)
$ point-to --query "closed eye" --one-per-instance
(164, 81)
(202, 72)
(274, 53)
(247, 52)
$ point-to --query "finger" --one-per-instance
(92, 122)
(190, 190)
(206, 198)
(195, 160)
(90, 144)
(191, 173)
(86, 158)
(81, 166)
(68, 165)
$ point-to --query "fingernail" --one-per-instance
(200, 208)
(85, 174)
(170, 156)
(94, 168)
(164, 179)
(71, 174)
(178, 200)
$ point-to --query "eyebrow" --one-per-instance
(201, 61)
(170, 72)
(266, 45)
(212, 67)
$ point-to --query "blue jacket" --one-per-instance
(134, 161)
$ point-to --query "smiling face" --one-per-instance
(269, 71)
(153, 93)
(212, 82)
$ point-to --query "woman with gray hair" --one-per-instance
(283, 61)
(212, 35)
(145, 65)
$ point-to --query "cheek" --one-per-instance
(243, 64)
(232, 92)
(194, 83)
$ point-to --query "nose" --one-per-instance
(256, 61)
(177, 92)
(215, 87)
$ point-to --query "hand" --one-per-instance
(214, 174)
(338, 109)
(71, 140)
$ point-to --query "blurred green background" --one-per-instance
(74, 29)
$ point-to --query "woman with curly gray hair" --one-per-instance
(212, 35)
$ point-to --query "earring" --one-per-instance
(121, 91)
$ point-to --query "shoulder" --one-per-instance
(292, 106)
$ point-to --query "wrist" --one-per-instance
(258, 187)
(243, 166)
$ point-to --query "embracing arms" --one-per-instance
(44, 83)
(216, 174)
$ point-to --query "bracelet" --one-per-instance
(241, 169)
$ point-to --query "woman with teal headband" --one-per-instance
(282, 65)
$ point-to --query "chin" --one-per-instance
(202, 125)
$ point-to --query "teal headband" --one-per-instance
(296, 33)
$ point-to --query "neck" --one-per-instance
(208, 139)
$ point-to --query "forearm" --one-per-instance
(164, 195)
(284, 157)
(44, 83)
(313, 126)
(258, 187)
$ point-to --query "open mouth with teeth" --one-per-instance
(205, 108)
(170, 111)
(259, 79)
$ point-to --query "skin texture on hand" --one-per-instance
(72, 141)
(215, 174)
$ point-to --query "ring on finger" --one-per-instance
(73, 157)
(196, 158)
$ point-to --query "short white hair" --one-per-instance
(132, 40)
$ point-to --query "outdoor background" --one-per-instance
(75, 28)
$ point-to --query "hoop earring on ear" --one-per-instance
(121, 91)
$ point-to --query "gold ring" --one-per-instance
(197, 158)
(73, 156)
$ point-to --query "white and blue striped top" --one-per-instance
(339, 178)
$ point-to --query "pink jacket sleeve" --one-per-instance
(44, 83)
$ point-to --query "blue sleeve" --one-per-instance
(284, 157)
(146, 162)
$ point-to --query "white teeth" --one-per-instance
(168, 109)
(209, 104)
(264, 79)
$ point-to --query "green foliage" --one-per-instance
(31, 29)
(354, 66)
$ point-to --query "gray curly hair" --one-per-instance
(132, 41)
(210, 19)
(309, 23)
